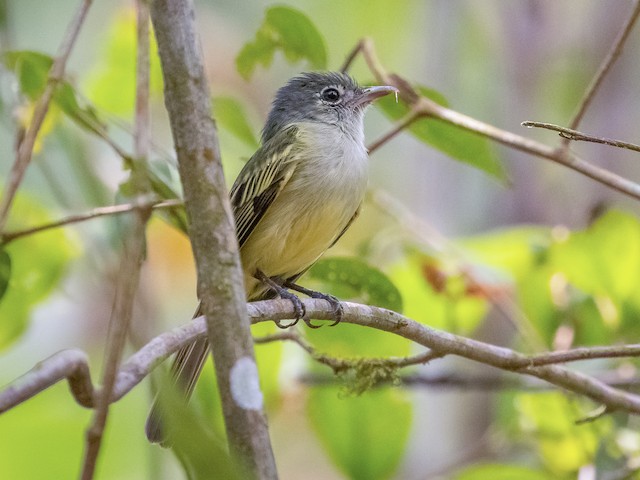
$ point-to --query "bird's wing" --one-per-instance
(262, 179)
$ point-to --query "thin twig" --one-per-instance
(72, 365)
(351, 57)
(142, 125)
(133, 251)
(342, 364)
(610, 59)
(90, 215)
(579, 136)
(127, 283)
(403, 124)
(585, 353)
(481, 382)
(25, 148)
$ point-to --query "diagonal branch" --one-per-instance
(25, 147)
(424, 107)
(608, 62)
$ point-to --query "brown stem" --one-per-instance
(610, 59)
(133, 254)
(72, 365)
(127, 282)
(579, 136)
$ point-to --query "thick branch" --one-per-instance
(213, 238)
(446, 343)
(139, 365)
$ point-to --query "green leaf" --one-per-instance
(605, 258)
(436, 296)
(230, 114)
(365, 436)
(353, 278)
(5, 271)
(497, 471)
(199, 447)
(165, 182)
(453, 141)
(288, 30)
(82, 113)
(111, 84)
(563, 445)
(31, 69)
(38, 263)
(514, 250)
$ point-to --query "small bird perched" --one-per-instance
(294, 198)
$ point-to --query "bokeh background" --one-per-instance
(501, 62)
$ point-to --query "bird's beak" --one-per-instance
(370, 94)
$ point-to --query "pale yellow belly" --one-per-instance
(291, 236)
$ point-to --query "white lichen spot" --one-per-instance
(245, 386)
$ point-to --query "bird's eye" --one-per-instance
(330, 94)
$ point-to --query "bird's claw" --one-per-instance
(338, 309)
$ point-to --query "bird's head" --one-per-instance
(332, 98)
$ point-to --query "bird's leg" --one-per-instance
(338, 309)
(282, 292)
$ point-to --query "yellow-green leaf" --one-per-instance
(453, 141)
(365, 436)
(286, 29)
(230, 115)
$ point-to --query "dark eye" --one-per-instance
(330, 94)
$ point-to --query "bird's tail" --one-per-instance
(185, 371)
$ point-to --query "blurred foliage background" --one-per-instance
(563, 249)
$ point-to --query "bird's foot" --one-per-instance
(282, 292)
(338, 309)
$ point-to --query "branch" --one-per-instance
(465, 382)
(133, 251)
(25, 147)
(213, 236)
(441, 343)
(340, 365)
(95, 213)
(610, 59)
(425, 108)
(446, 343)
(570, 134)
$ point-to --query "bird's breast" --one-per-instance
(317, 203)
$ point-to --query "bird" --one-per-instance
(293, 199)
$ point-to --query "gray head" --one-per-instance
(325, 97)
